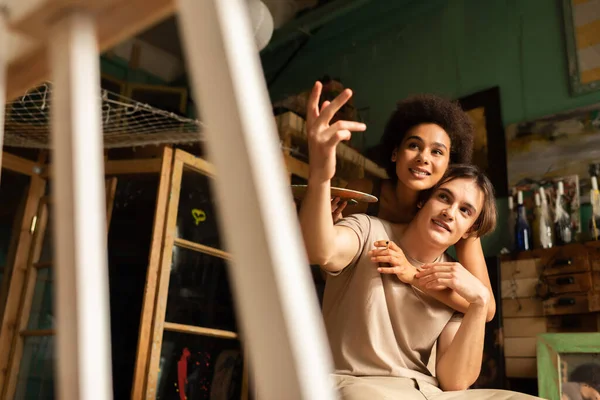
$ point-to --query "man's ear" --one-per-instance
(420, 205)
(394, 155)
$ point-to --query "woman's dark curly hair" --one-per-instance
(424, 109)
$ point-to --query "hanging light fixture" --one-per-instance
(262, 23)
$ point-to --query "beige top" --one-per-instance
(376, 324)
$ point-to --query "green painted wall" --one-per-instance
(118, 68)
(388, 50)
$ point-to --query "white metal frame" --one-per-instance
(82, 329)
(271, 279)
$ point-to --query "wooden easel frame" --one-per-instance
(34, 266)
(153, 323)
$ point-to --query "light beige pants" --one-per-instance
(393, 388)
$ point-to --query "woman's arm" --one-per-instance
(389, 253)
(470, 255)
(331, 247)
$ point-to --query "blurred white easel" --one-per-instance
(60, 41)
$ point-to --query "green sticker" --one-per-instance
(199, 215)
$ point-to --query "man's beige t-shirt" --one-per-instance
(376, 324)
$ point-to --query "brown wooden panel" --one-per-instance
(518, 288)
(521, 367)
(520, 346)
(524, 327)
(522, 307)
(521, 269)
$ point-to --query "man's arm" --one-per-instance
(460, 349)
(470, 255)
(460, 346)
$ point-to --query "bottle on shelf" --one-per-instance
(512, 219)
(562, 220)
(522, 228)
(595, 218)
(543, 230)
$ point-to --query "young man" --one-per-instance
(381, 325)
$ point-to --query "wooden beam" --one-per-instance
(116, 21)
(42, 265)
(296, 167)
(38, 332)
(164, 275)
(111, 191)
(124, 167)
(198, 330)
(158, 231)
(10, 317)
(198, 164)
(200, 248)
(20, 165)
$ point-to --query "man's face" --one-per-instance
(451, 211)
(588, 392)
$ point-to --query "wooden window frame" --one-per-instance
(20, 330)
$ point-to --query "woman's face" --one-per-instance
(423, 156)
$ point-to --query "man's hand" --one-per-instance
(391, 260)
(323, 137)
(456, 277)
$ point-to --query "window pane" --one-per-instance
(203, 367)
(13, 195)
(196, 214)
(47, 249)
(129, 243)
(199, 291)
(41, 315)
(36, 373)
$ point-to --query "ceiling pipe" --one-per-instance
(306, 24)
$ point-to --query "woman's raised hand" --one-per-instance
(323, 137)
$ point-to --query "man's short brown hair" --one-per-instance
(486, 221)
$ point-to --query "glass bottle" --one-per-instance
(512, 219)
(522, 228)
(547, 239)
(595, 218)
(562, 219)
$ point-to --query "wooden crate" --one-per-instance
(573, 323)
(572, 304)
